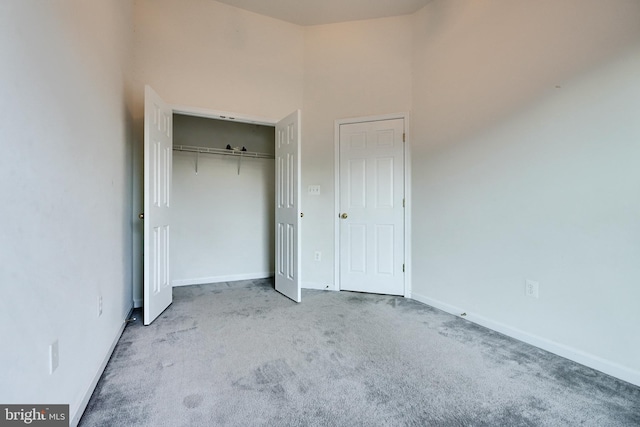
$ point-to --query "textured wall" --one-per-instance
(65, 182)
(525, 160)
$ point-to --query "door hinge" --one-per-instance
(403, 268)
(403, 205)
(404, 137)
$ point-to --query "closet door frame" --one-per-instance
(138, 196)
(240, 118)
(223, 115)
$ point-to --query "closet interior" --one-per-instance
(223, 201)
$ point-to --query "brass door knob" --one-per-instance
(343, 216)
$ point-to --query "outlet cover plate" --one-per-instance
(532, 288)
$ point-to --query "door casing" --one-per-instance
(221, 115)
(197, 112)
(407, 192)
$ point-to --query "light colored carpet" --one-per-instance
(240, 354)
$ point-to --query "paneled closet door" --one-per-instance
(288, 214)
(158, 157)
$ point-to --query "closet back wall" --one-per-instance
(222, 221)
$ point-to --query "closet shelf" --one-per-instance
(223, 152)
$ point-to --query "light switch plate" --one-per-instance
(54, 357)
(314, 190)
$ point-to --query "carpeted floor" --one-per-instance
(240, 354)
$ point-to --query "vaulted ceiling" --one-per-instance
(317, 12)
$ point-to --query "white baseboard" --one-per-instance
(218, 279)
(137, 302)
(75, 418)
(595, 362)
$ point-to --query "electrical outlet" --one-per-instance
(314, 190)
(99, 305)
(531, 288)
(317, 256)
(54, 358)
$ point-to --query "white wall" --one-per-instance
(65, 182)
(353, 69)
(201, 53)
(222, 221)
(526, 145)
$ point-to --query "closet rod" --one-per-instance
(223, 152)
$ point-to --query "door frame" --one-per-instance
(243, 118)
(138, 256)
(407, 194)
(223, 115)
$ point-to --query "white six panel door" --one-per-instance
(371, 207)
(287, 157)
(158, 155)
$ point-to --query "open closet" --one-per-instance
(214, 214)
(223, 201)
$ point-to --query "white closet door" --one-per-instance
(287, 269)
(158, 156)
